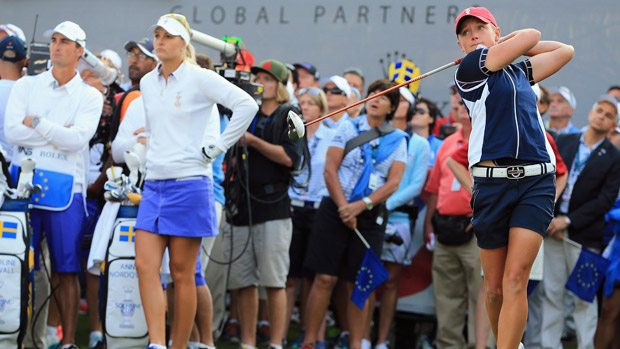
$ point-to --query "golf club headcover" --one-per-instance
(133, 164)
(26, 175)
(296, 127)
(210, 152)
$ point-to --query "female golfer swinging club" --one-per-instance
(513, 163)
(177, 207)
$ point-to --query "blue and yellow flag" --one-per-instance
(372, 273)
(56, 187)
(127, 234)
(587, 275)
(404, 70)
(8, 230)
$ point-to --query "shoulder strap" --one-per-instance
(368, 136)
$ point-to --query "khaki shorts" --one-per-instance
(265, 261)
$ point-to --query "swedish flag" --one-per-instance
(404, 70)
(8, 230)
(587, 275)
(372, 273)
(127, 234)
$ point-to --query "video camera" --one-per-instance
(229, 55)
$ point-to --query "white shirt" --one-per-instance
(125, 139)
(181, 117)
(5, 91)
(68, 114)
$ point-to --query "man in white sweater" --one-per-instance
(50, 118)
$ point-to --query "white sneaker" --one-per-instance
(521, 346)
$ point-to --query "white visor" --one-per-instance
(173, 27)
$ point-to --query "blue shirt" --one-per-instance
(413, 179)
(502, 107)
(218, 173)
(434, 143)
(352, 164)
(582, 156)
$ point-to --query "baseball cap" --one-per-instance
(340, 82)
(12, 49)
(308, 67)
(565, 93)
(13, 30)
(354, 70)
(479, 12)
(69, 29)
(145, 45)
(274, 68)
(174, 24)
(611, 100)
(113, 57)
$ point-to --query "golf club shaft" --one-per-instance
(419, 77)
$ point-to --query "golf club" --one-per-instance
(297, 128)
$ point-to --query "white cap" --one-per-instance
(69, 29)
(566, 94)
(173, 27)
(113, 57)
(13, 30)
(407, 95)
(341, 83)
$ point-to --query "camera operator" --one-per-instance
(271, 156)
(12, 60)
(51, 117)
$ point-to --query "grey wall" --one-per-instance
(340, 33)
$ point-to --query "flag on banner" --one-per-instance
(127, 234)
(404, 70)
(587, 275)
(372, 273)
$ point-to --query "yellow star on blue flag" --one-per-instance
(127, 234)
(8, 230)
(587, 275)
(372, 273)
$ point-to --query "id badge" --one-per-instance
(372, 183)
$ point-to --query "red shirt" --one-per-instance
(442, 121)
(452, 199)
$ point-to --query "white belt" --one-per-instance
(513, 172)
(307, 204)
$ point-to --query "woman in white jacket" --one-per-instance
(177, 207)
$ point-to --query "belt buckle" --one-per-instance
(515, 172)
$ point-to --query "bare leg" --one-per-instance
(92, 299)
(248, 306)
(483, 326)
(388, 301)
(356, 318)
(204, 315)
(291, 291)
(149, 252)
(183, 256)
(277, 313)
(68, 304)
(608, 320)
(316, 308)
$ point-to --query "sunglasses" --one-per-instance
(333, 90)
(140, 56)
(313, 91)
(420, 111)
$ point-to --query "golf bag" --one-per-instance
(122, 315)
(16, 273)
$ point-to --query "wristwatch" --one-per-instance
(567, 220)
(35, 121)
(368, 203)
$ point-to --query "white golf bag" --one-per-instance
(122, 315)
(16, 272)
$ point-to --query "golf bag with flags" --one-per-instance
(16, 256)
(121, 312)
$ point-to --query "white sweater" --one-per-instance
(125, 139)
(181, 117)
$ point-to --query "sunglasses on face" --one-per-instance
(420, 111)
(333, 90)
(140, 56)
(313, 91)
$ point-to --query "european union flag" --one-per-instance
(372, 273)
(8, 230)
(127, 234)
(587, 275)
(57, 188)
